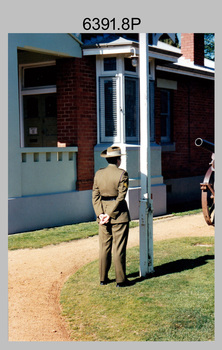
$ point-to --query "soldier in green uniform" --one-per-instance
(108, 198)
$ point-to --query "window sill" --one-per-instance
(48, 149)
(129, 146)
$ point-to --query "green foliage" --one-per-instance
(176, 303)
(209, 46)
(167, 40)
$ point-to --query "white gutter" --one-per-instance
(186, 72)
(126, 49)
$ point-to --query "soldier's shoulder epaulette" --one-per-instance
(123, 171)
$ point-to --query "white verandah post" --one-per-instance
(146, 203)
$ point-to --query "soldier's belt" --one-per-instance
(108, 198)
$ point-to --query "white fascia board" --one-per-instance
(163, 57)
(110, 50)
(183, 72)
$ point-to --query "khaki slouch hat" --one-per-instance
(111, 152)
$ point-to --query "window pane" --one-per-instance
(165, 116)
(164, 101)
(110, 108)
(128, 65)
(131, 108)
(163, 126)
(40, 120)
(50, 106)
(109, 63)
(39, 76)
(38, 106)
(31, 106)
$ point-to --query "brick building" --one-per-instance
(81, 95)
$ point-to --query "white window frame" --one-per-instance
(120, 73)
(152, 69)
(31, 91)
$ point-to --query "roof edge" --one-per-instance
(76, 39)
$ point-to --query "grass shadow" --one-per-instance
(172, 267)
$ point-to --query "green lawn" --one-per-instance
(176, 303)
(56, 235)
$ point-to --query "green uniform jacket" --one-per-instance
(111, 182)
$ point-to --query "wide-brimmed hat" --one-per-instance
(111, 152)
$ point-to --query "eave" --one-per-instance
(198, 72)
(129, 48)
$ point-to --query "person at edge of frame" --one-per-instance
(108, 197)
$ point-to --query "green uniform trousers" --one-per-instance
(115, 235)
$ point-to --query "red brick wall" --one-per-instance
(192, 117)
(192, 47)
(76, 113)
(66, 102)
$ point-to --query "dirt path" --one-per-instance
(35, 278)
